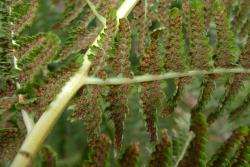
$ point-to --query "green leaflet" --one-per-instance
(120, 66)
(130, 156)
(72, 10)
(223, 157)
(235, 84)
(196, 154)
(245, 29)
(163, 153)
(89, 110)
(10, 140)
(22, 15)
(174, 59)
(208, 9)
(36, 53)
(93, 95)
(5, 39)
(80, 36)
(8, 95)
(101, 54)
(151, 92)
(240, 109)
(226, 49)
(100, 152)
(26, 44)
(241, 16)
(243, 158)
(200, 51)
(46, 87)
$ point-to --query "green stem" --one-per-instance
(184, 150)
(148, 78)
(28, 121)
(39, 133)
(93, 8)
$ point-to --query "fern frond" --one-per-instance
(173, 59)
(72, 10)
(199, 47)
(120, 63)
(239, 19)
(130, 156)
(196, 154)
(162, 155)
(245, 29)
(243, 159)
(151, 92)
(118, 110)
(236, 84)
(200, 51)
(23, 15)
(5, 39)
(38, 60)
(101, 54)
(207, 88)
(228, 5)
(185, 52)
(100, 151)
(118, 95)
(89, 111)
(27, 44)
(10, 140)
(139, 14)
(224, 56)
(7, 94)
(225, 40)
(80, 38)
(222, 102)
(163, 10)
(145, 12)
(99, 60)
(209, 13)
(42, 95)
(244, 57)
(55, 109)
(239, 78)
(224, 155)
